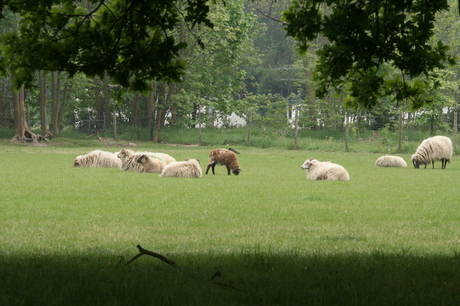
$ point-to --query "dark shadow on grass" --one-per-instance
(237, 279)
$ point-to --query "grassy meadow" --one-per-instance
(389, 236)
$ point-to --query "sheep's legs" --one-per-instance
(209, 166)
(228, 170)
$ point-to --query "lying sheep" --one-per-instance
(98, 158)
(390, 161)
(150, 165)
(328, 171)
(167, 158)
(433, 149)
(129, 159)
(224, 157)
(190, 168)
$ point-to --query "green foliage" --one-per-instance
(365, 36)
(132, 41)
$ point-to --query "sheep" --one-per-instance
(149, 164)
(190, 168)
(98, 158)
(433, 149)
(328, 171)
(167, 158)
(129, 159)
(390, 161)
(224, 157)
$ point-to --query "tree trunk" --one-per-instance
(135, 107)
(107, 112)
(3, 108)
(67, 88)
(150, 110)
(43, 113)
(21, 128)
(56, 100)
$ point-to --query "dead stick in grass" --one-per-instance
(147, 252)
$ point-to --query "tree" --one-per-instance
(129, 40)
(364, 36)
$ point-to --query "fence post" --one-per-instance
(115, 137)
(346, 131)
(249, 123)
(400, 132)
(455, 128)
(296, 127)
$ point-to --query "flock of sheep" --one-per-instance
(162, 163)
(430, 150)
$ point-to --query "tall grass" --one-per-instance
(383, 141)
(265, 237)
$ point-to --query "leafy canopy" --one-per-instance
(364, 38)
(133, 41)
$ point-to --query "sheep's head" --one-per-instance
(142, 159)
(307, 164)
(124, 153)
(415, 161)
(76, 163)
(236, 171)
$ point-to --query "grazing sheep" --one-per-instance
(98, 158)
(390, 161)
(433, 149)
(224, 157)
(328, 171)
(129, 159)
(188, 168)
(150, 165)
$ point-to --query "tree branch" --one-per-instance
(147, 252)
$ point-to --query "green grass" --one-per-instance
(266, 237)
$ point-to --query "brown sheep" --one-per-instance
(224, 157)
(150, 165)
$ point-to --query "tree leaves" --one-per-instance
(366, 35)
(133, 41)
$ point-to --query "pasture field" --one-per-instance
(389, 236)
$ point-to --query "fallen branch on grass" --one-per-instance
(96, 133)
(147, 252)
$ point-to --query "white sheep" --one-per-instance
(167, 158)
(150, 165)
(129, 159)
(433, 149)
(328, 171)
(224, 157)
(190, 168)
(98, 158)
(390, 161)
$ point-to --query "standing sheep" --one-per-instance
(190, 168)
(150, 165)
(129, 159)
(328, 171)
(433, 149)
(224, 157)
(390, 161)
(98, 158)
